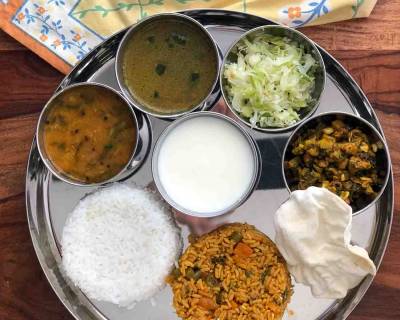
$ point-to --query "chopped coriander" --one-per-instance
(61, 146)
(265, 274)
(218, 260)
(151, 39)
(194, 76)
(160, 69)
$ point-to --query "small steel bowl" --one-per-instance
(281, 31)
(40, 143)
(159, 18)
(383, 157)
(242, 199)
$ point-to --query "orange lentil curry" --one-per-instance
(89, 134)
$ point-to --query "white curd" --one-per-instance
(205, 164)
(313, 233)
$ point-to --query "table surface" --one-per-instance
(368, 48)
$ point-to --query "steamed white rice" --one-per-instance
(119, 244)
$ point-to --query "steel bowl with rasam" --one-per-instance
(167, 65)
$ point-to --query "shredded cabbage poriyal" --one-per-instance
(271, 81)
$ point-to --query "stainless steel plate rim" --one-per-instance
(222, 20)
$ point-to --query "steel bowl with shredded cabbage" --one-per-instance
(271, 80)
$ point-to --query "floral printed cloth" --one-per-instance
(64, 31)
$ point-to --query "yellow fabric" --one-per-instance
(108, 16)
(64, 31)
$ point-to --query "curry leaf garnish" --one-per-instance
(194, 76)
(151, 39)
(160, 69)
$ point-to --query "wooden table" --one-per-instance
(368, 48)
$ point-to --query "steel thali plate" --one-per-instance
(49, 200)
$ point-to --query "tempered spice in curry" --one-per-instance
(89, 134)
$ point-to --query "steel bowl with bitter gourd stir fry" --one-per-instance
(339, 155)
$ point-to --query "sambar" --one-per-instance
(88, 133)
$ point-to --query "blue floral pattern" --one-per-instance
(56, 2)
(70, 28)
(47, 22)
(300, 16)
(356, 7)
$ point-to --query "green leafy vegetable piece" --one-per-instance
(248, 274)
(151, 39)
(265, 274)
(194, 76)
(193, 273)
(236, 236)
(61, 146)
(160, 69)
(218, 260)
(176, 273)
(219, 298)
(211, 280)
